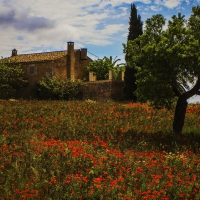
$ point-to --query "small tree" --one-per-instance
(135, 30)
(11, 79)
(101, 68)
(57, 88)
(168, 62)
(117, 71)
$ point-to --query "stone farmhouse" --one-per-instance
(70, 63)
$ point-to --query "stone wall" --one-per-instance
(103, 90)
(41, 70)
(51, 68)
(80, 66)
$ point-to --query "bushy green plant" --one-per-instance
(117, 72)
(11, 78)
(101, 68)
(57, 88)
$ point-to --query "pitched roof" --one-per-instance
(34, 57)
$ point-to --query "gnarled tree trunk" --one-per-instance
(181, 107)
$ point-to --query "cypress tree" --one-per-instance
(135, 30)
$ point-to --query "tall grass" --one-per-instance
(97, 150)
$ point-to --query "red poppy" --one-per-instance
(181, 195)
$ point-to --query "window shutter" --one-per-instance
(31, 69)
(28, 70)
(35, 70)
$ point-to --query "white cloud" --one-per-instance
(187, 1)
(172, 3)
(74, 20)
(169, 3)
(158, 2)
(32, 26)
(155, 8)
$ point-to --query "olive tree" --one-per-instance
(168, 62)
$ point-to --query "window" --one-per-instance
(49, 72)
(32, 69)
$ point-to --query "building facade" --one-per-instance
(70, 63)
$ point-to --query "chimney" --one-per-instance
(70, 46)
(70, 61)
(83, 54)
(14, 52)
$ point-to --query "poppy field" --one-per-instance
(59, 150)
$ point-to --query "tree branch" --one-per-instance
(198, 93)
(181, 106)
(193, 91)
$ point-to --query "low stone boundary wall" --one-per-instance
(103, 90)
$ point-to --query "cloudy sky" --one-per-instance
(101, 26)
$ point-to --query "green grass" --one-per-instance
(97, 150)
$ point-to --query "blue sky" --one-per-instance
(101, 26)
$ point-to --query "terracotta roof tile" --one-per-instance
(34, 57)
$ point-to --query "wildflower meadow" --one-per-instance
(73, 150)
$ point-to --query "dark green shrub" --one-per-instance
(57, 88)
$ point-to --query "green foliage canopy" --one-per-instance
(167, 61)
(57, 88)
(11, 78)
(101, 68)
